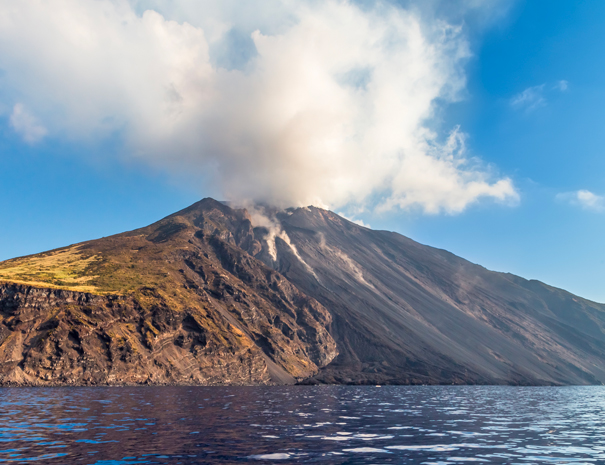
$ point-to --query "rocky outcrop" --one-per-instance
(56, 337)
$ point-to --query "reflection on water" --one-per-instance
(434, 425)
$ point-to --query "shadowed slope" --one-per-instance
(404, 312)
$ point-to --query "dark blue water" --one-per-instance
(329, 424)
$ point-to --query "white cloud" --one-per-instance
(26, 125)
(583, 199)
(356, 221)
(535, 97)
(530, 99)
(440, 178)
(562, 85)
(288, 102)
(362, 223)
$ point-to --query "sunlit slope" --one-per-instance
(65, 268)
(118, 264)
(156, 305)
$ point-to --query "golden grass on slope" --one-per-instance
(63, 268)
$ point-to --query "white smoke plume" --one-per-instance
(266, 220)
(288, 102)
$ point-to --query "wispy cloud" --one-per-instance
(26, 125)
(584, 199)
(561, 85)
(530, 99)
(536, 97)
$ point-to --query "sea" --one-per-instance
(436, 425)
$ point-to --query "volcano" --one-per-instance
(211, 295)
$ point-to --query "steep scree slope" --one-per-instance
(408, 313)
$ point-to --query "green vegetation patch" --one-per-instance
(66, 268)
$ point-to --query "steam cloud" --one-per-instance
(288, 102)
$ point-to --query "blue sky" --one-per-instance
(531, 111)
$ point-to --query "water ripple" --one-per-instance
(322, 424)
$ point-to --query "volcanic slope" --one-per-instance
(408, 313)
(205, 296)
(177, 302)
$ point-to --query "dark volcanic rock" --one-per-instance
(205, 296)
